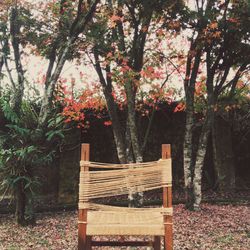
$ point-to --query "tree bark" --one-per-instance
(132, 122)
(197, 193)
(1, 65)
(17, 96)
(1, 68)
(135, 196)
(117, 130)
(188, 148)
(20, 204)
(112, 110)
(50, 86)
(202, 147)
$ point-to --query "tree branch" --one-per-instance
(236, 78)
(233, 82)
(99, 69)
(9, 73)
(1, 64)
(218, 87)
(80, 26)
(76, 28)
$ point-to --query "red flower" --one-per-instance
(107, 123)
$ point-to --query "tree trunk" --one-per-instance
(1, 67)
(200, 157)
(201, 153)
(223, 155)
(189, 86)
(135, 196)
(188, 172)
(20, 204)
(18, 93)
(25, 214)
(116, 125)
(50, 86)
(132, 122)
(129, 151)
(112, 110)
(206, 129)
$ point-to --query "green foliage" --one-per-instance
(9, 114)
(23, 147)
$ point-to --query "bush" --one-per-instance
(24, 148)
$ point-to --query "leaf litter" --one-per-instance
(215, 227)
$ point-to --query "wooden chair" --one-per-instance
(119, 222)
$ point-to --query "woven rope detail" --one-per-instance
(123, 179)
(102, 165)
(97, 207)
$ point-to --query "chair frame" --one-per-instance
(85, 242)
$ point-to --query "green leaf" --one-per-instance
(9, 113)
(20, 131)
(51, 134)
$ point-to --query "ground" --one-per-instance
(216, 227)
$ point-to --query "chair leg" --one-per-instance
(82, 238)
(168, 238)
(82, 229)
(157, 243)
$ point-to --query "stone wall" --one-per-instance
(60, 180)
(168, 127)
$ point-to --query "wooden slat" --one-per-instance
(166, 151)
(167, 202)
(85, 152)
(83, 242)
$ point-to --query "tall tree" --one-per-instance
(120, 39)
(54, 40)
(220, 39)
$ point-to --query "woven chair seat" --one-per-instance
(123, 223)
(103, 180)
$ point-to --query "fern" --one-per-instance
(9, 114)
(24, 146)
(19, 131)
